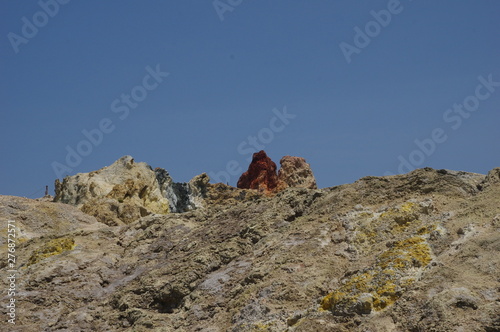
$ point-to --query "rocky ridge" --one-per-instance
(126, 191)
(412, 252)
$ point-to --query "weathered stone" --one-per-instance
(295, 172)
(126, 191)
(492, 179)
(183, 196)
(123, 181)
(35, 218)
(261, 174)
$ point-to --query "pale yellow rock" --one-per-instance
(295, 172)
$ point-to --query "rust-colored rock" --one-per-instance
(295, 172)
(261, 174)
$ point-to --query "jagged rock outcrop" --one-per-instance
(295, 172)
(403, 253)
(182, 196)
(126, 191)
(492, 178)
(261, 174)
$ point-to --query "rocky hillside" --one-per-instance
(125, 248)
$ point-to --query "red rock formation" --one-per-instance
(261, 174)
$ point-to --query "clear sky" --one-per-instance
(357, 88)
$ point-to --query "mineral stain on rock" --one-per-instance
(383, 283)
(51, 248)
(261, 175)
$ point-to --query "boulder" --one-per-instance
(295, 172)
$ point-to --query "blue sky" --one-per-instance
(268, 74)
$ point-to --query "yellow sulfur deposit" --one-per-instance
(51, 248)
(383, 283)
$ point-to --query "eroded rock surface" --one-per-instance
(261, 174)
(413, 252)
(40, 218)
(295, 172)
(126, 191)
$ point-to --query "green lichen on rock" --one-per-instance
(382, 284)
(51, 248)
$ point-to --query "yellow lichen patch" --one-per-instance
(51, 248)
(426, 229)
(405, 214)
(366, 236)
(385, 295)
(407, 219)
(408, 207)
(358, 284)
(331, 300)
(407, 282)
(389, 272)
(384, 282)
(411, 252)
(395, 268)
